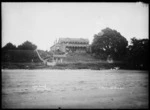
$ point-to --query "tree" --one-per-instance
(9, 46)
(27, 46)
(138, 53)
(24, 53)
(109, 43)
(5, 50)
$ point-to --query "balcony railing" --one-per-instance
(77, 45)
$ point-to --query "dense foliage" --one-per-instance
(137, 54)
(109, 43)
(20, 56)
(9, 46)
(23, 53)
(27, 46)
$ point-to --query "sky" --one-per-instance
(43, 23)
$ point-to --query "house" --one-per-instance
(71, 45)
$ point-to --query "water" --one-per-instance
(74, 89)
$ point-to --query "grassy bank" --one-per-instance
(93, 66)
(72, 61)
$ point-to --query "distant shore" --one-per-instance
(63, 66)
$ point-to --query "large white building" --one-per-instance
(71, 45)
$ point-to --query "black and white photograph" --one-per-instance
(75, 55)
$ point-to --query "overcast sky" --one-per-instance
(42, 23)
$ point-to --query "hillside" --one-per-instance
(46, 54)
(21, 59)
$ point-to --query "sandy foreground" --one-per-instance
(74, 89)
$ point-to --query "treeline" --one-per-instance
(27, 45)
(137, 55)
(110, 44)
(23, 53)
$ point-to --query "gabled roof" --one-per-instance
(73, 40)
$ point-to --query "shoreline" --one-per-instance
(3, 70)
(71, 66)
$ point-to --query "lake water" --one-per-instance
(74, 89)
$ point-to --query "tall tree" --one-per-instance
(109, 43)
(27, 45)
(9, 46)
(138, 53)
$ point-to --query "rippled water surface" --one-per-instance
(74, 89)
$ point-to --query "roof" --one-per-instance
(57, 44)
(73, 40)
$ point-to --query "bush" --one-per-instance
(20, 56)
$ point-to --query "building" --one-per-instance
(71, 45)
